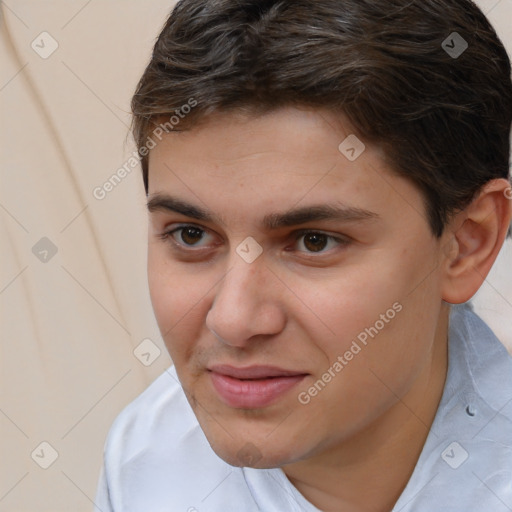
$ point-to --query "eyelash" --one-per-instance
(168, 236)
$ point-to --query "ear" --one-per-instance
(473, 240)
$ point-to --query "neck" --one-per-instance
(356, 476)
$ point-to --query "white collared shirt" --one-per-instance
(157, 458)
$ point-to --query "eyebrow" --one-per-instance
(272, 221)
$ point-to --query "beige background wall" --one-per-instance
(73, 297)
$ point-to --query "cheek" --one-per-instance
(176, 295)
(381, 355)
(160, 288)
(343, 304)
(387, 302)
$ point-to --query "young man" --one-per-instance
(325, 179)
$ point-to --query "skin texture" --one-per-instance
(300, 309)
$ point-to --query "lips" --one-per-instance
(252, 387)
(253, 372)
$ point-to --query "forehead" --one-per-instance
(286, 158)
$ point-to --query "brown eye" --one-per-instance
(186, 237)
(191, 235)
(311, 242)
(315, 242)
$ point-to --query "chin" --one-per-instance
(246, 453)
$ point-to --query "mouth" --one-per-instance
(252, 387)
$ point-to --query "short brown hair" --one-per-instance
(442, 119)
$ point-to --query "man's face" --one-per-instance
(343, 308)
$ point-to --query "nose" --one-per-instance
(246, 304)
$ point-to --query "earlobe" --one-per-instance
(473, 241)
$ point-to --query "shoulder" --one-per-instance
(466, 462)
(480, 361)
(162, 405)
